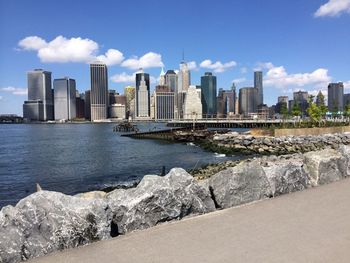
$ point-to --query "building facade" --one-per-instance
(164, 103)
(99, 91)
(248, 101)
(208, 94)
(64, 98)
(142, 98)
(301, 98)
(258, 84)
(336, 96)
(39, 106)
(184, 80)
(193, 103)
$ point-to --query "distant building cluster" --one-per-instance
(174, 97)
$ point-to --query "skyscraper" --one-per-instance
(99, 91)
(336, 96)
(208, 87)
(171, 80)
(129, 93)
(258, 84)
(301, 99)
(248, 101)
(39, 106)
(193, 103)
(142, 98)
(87, 105)
(162, 77)
(164, 103)
(65, 98)
(184, 80)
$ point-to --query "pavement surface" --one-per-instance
(308, 226)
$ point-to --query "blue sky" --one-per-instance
(298, 44)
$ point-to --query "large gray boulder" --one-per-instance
(325, 166)
(49, 221)
(286, 174)
(158, 199)
(345, 151)
(241, 184)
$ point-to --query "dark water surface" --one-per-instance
(73, 158)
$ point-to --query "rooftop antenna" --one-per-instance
(183, 55)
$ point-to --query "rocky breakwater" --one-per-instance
(49, 221)
(233, 143)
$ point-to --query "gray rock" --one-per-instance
(325, 166)
(345, 151)
(286, 175)
(241, 184)
(158, 199)
(49, 221)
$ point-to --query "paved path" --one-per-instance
(308, 226)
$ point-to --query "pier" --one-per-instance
(229, 123)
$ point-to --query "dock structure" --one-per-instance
(229, 123)
(167, 134)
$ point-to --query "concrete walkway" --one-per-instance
(308, 226)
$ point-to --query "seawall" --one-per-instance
(48, 221)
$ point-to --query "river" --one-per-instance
(73, 158)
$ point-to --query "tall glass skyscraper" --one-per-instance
(336, 96)
(208, 87)
(99, 91)
(65, 98)
(39, 106)
(258, 84)
(142, 96)
(248, 101)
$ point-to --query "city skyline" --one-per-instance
(292, 53)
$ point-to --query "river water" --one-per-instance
(73, 158)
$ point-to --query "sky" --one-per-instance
(298, 44)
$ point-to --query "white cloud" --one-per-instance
(333, 8)
(63, 50)
(15, 91)
(347, 85)
(111, 57)
(239, 80)
(263, 65)
(279, 78)
(123, 78)
(149, 60)
(217, 66)
(1, 97)
(32, 43)
(192, 65)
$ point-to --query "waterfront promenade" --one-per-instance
(308, 226)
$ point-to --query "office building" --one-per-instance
(248, 101)
(208, 91)
(87, 105)
(258, 84)
(171, 80)
(39, 106)
(184, 79)
(162, 77)
(99, 91)
(117, 111)
(301, 98)
(164, 103)
(80, 105)
(226, 102)
(129, 93)
(193, 103)
(336, 96)
(346, 100)
(64, 98)
(142, 98)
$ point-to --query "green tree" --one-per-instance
(347, 110)
(296, 111)
(314, 111)
(321, 104)
(335, 109)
